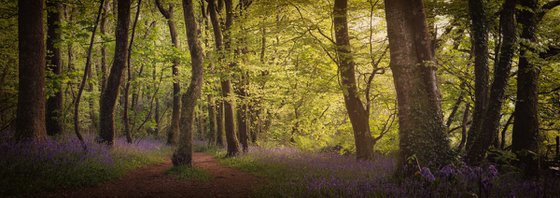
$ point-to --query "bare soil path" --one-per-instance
(152, 181)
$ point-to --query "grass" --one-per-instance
(190, 173)
(61, 163)
(292, 173)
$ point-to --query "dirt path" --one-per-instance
(153, 182)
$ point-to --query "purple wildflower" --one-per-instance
(427, 174)
(492, 171)
(447, 170)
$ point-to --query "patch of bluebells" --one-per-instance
(61, 162)
(332, 175)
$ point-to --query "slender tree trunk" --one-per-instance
(480, 47)
(54, 64)
(454, 111)
(183, 154)
(356, 111)
(227, 92)
(220, 125)
(176, 111)
(30, 121)
(464, 128)
(156, 108)
(504, 130)
(85, 77)
(489, 127)
(422, 132)
(111, 92)
(126, 109)
(212, 125)
(242, 113)
(103, 31)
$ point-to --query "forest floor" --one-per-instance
(154, 181)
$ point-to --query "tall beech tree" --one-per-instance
(479, 30)
(54, 65)
(30, 117)
(222, 40)
(488, 130)
(525, 134)
(421, 130)
(356, 111)
(111, 92)
(183, 154)
(175, 114)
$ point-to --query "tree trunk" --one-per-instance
(525, 135)
(454, 111)
(54, 102)
(489, 127)
(421, 130)
(356, 111)
(227, 92)
(30, 121)
(480, 47)
(126, 109)
(176, 111)
(242, 113)
(212, 120)
(183, 154)
(111, 92)
(85, 78)
(220, 125)
(464, 128)
(103, 46)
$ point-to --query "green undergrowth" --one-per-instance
(45, 170)
(190, 173)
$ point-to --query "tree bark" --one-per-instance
(111, 92)
(103, 31)
(176, 111)
(356, 111)
(220, 125)
(54, 64)
(422, 132)
(464, 128)
(489, 127)
(30, 120)
(525, 135)
(212, 121)
(480, 47)
(126, 109)
(183, 154)
(85, 77)
(227, 92)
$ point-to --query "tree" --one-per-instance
(227, 92)
(102, 30)
(525, 133)
(54, 65)
(30, 120)
(87, 70)
(489, 126)
(358, 115)
(421, 131)
(175, 115)
(126, 119)
(111, 92)
(480, 47)
(183, 154)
